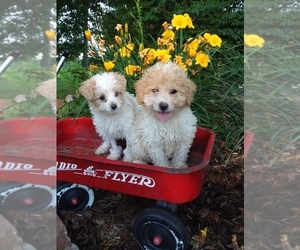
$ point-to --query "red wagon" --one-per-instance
(27, 163)
(80, 170)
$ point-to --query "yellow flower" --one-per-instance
(202, 59)
(253, 40)
(132, 69)
(118, 39)
(204, 232)
(88, 35)
(179, 21)
(149, 55)
(178, 59)
(189, 21)
(93, 67)
(182, 65)
(192, 52)
(189, 62)
(50, 34)
(165, 25)
(207, 37)
(118, 27)
(170, 46)
(168, 35)
(193, 44)
(163, 55)
(101, 42)
(162, 42)
(109, 65)
(129, 69)
(126, 50)
(201, 39)
(213, 40)
(191, 47)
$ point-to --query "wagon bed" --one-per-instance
(77, 141)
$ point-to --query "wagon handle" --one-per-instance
(13, 55)
(64, 56)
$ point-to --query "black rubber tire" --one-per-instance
(160, 229)
(25, 197)
(74, 197)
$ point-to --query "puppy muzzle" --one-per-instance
(163, 106)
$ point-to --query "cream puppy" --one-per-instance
(113, 110)
(165, 129)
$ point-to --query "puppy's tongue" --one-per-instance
(163, 116)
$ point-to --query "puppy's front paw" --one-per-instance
(179, 165)
(115, 153)
(103, 149)
(127, 159)
(140, 161)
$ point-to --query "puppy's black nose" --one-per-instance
(113, 106)
(163, 106)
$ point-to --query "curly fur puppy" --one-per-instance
(165, 129)
(113, 110)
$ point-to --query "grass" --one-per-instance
(272, 99)
(219, 101)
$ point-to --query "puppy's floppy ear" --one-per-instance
(121, 80)
(190, 91)
(139, 91)
(87, 88)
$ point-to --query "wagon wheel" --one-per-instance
(26, 197)
(157, 228)
(74, 197)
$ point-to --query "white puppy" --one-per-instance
(165, 129)
(113, 110)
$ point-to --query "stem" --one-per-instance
(140, 23)
(180, 39)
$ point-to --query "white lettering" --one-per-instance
(147, 181)
(108, 174)
(65, 165)
(115, 176)
(130, 178)
(133, 179)
(124, 176)
(15, 166)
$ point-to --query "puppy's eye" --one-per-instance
(116, 94)
(173, 91)
(154, 90)
(102, 97)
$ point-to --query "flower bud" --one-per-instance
(88, 35)
(141, 47)
(50, 34)
(126, 28)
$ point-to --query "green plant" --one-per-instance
(271, 99)
(71, 75)
(21, 79)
